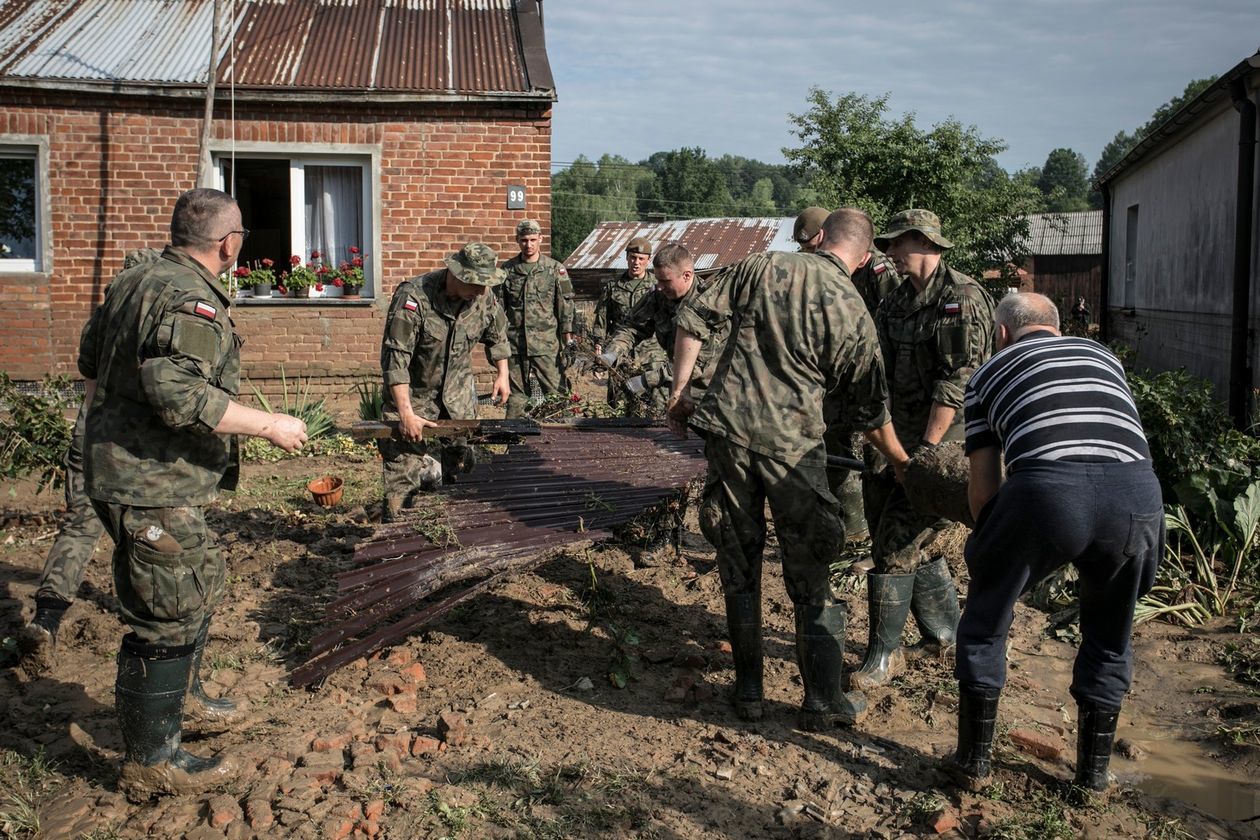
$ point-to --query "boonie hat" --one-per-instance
(476, 263)
(809, 223)
(640, 245)
(924, 221)
(527, 227)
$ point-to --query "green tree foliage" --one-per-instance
(1062, 181)
(687, 184)
(588, 193)
(852, 153)
(1111, 154)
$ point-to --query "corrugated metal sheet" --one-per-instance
(438, 46)
(1065, 233)
(714, 243)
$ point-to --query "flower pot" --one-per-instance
(262, 290)
(303, 292)
(350, 293)
(326, 491)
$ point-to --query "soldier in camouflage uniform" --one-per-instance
(934, 329)
(162, 365)
(800, 339)
(537, 297)
(76, 542)
(653, 319)
(617, 298)
(426, 358)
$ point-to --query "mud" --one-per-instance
(505, 719)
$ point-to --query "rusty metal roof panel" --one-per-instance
(714, 243)
(417, 46)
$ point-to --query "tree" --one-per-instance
(1172, 106)
(586, 194)
(853, 154)
(688, 185)
(1063, 183)
(1111, 154)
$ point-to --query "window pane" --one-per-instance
(17, 208)
(334, 211)
(262, 189)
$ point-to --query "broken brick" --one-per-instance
(415, 673)
(328, 743)
(400, 656)
(453, 729)
(1035, 744)
(425, 745)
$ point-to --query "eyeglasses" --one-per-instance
(244, 234)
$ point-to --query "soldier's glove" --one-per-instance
(636, 385)
(606, 359)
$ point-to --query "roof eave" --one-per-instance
(1180, 121)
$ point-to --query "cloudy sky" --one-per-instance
(638, 76)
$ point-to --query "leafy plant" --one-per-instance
(34, 433)
(371, 400)
(314, 413)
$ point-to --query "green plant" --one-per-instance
(34, 433)
(260, 274)
(371, 400)
(298, 276)
(313, 412)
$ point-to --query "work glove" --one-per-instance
(606, 359)
(636, 385)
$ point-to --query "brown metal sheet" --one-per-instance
(714, 243)
(564, 487)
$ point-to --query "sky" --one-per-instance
(638, 76)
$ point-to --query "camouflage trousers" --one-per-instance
(899, 533)
(846, 485)
(409, 470)
(80, 531)
(168, 572)
(524, 372)
(806, 519)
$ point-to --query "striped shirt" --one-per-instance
(1054, 398)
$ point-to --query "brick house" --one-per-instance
(401, 127)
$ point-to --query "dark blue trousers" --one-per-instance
(1108, 521)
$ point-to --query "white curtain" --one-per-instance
(334, 212)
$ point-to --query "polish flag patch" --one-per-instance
(881, 268)
(410, 305)
(563, 270)
(952, 308)
(205, 310)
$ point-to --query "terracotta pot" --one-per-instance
(350, 293)
(327, 490)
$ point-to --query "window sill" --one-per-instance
(288, 301)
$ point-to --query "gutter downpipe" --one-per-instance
(1104, 277)
(1239, 361)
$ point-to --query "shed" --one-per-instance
(1065, 257)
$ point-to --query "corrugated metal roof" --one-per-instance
(714, 243)
(399, 46)
(1065, 233)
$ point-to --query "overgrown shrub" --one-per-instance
(34, 432)
(314, 413)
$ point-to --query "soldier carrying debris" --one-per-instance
(617, 299)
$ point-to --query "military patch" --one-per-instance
(881, 268)
(410, 305)
(205, 310)
(563, 270)
(195, 339)
(952, 308)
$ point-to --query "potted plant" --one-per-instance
(260, 277)
(299, 278)
(350, 275)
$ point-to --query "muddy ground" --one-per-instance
(512, 726)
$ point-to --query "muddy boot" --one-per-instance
(889, 598)
(1095, 732)
(743, 622)
(977, 721)
(820, 656)
(391, 509)
(935, 608)
(199, 706)
(37, 641)
(149, 697)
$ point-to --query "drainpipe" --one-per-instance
(1239, 360)
(1104, 277)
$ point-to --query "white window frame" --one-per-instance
(34, 147)
(301, 155)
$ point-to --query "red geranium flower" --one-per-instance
(357, 262)
(282, 290)
(268, 263)
(354, 250)
(295, 260)
(242, 271)
(315, 255)
(338, 283)
(323, 269)
(319, 287)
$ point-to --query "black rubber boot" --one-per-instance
(977, 721)
(149, 698)
(935, 606)
(820, 656)
(1095, 732)
(38, 639)
(743, 622)
(201, 706)
(889, 598)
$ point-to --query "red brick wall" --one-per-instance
(115, 172)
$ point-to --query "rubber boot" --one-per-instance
(149, 698)
(391, 509)
(38, 640)
(743, 622)
(889, 598)
(935, 607)
(820, 656)
(200, 706)
(1095, 732)
(977, 721)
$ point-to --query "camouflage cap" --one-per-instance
(527, 227)
(809, 223)
(640, 245)
(924, 221)
(477, 264)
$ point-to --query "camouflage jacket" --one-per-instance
(537, 298)
(428, 345)
(876, 280)
(653, 317)
(802, 347)
(616, 299)
(932, 342)
(166, 361)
